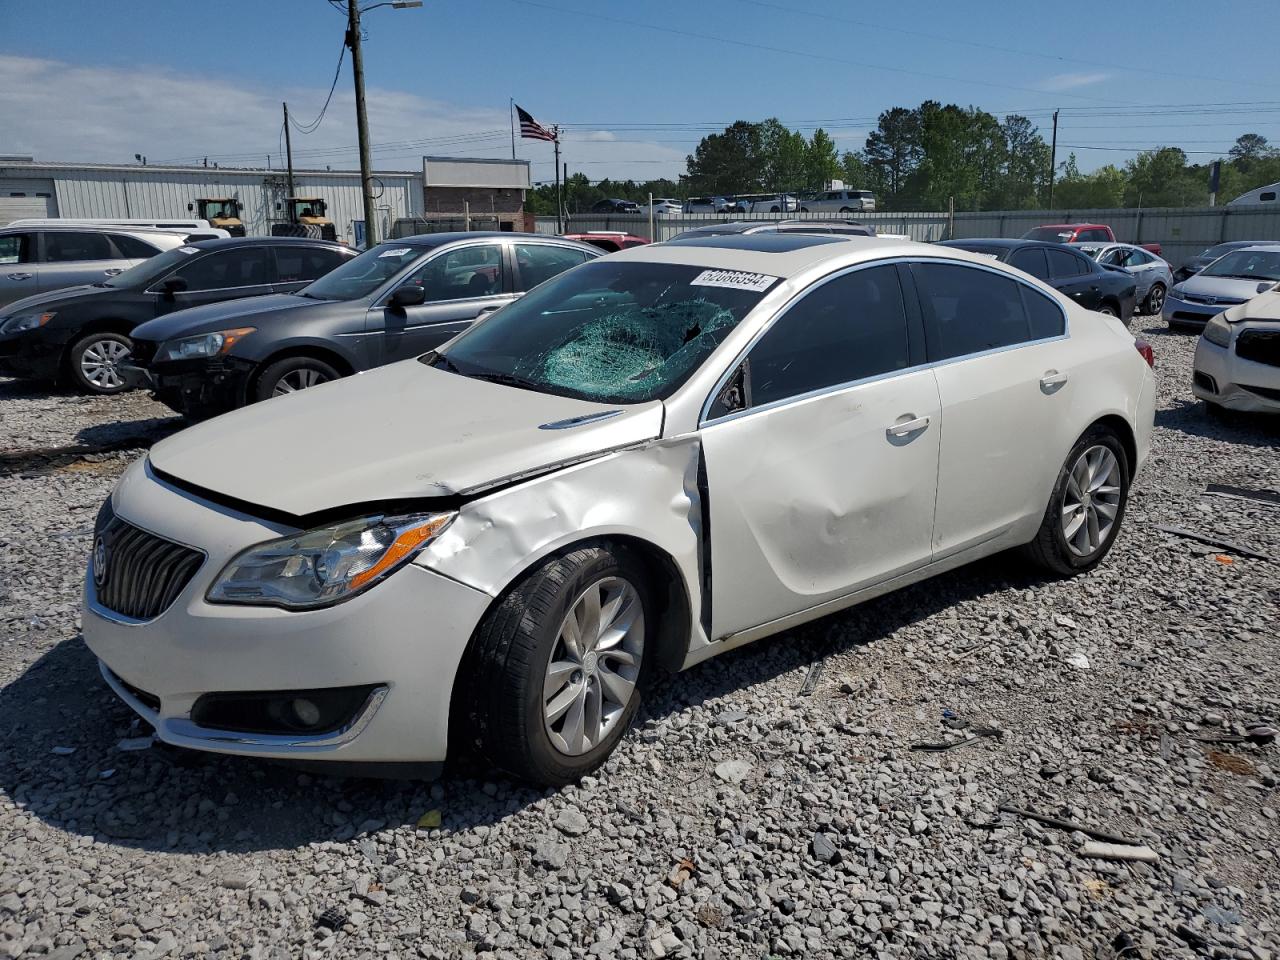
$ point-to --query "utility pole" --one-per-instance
(559, 204)
(288, 152)
(1053, 158)
(362, 124)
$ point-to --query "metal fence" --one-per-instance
(1182, 232)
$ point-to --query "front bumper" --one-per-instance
(404, 638)
(1220, 376)
(1178, 312)
(201, 388)
(31, 355)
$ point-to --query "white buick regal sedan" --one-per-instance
(652, 458)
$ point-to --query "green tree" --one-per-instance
(1159, 178)
(1026, 165)
(822, 162)
(1248, 148)
(728, 162)
(895, 146)
(861, 175)
(1103, 187)
(782, 157)
(963, 156)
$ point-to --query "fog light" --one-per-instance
(306, 711)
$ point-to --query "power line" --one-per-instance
(314, 125)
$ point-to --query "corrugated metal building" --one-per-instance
(33, 189)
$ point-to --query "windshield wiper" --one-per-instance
(507, 380)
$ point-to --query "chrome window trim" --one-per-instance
(704, 418)
(266, 252)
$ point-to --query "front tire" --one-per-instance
(1086, 506)
(1154, 303)
(94, 362)
(553, 677)
(291, 375)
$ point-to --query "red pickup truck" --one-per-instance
(1080, 233)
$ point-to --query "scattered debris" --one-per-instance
(1243, 493)
(1228, 545)
(824, 848)
(811, 678)
(1061, 824)
(63, 751)
(728, 718)
(1093, 850)
(332, 919)
(429, 820)
(1232, 763)
(1260, 735)
(1125, 947)
(136, 743)
(978, 734)
(1096, 887)
(681, 872)
(1223, 918)
(1223, 559)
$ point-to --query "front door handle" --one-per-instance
(1052, 381)
(21, 276)
(114, 271)
(905, 427)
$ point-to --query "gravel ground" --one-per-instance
(742, 817)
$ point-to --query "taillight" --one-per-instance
(1148, 354)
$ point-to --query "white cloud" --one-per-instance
(62, 111)
(1070, 81)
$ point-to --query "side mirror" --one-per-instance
(1266, 285)
(174, 285)
(407, 296)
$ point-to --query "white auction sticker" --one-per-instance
(188, 250)
(394, 252)
(733, 279)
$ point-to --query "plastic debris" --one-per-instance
(332, 919)
(1094, 850)
(1243, 493)
(811, 678)
(1227, 545)
(978, 734)
(136, 743)
(1260, 735)
(429, 820)
(1062, 824)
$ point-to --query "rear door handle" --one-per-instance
(1052, 381)
(902, 428)
(21, 276)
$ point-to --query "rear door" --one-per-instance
(296, 265)
(822, 472)
(19, 271)
(1072, 273)
(461, 283)
(1031, 260)
(69, 258)
(536, 263)
(225, 274)
(1004, 380)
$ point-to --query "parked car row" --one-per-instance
(493, 545)
(841, 201)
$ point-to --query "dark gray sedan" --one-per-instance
(398, 300)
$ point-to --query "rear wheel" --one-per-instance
(293, 374)
(94, 362)
(1154, 303)
(1086, 506)
(846, 209)
(1108, 309)
(552, 680)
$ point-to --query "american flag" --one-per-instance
(531, 129)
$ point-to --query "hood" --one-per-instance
(1202, 286)
(1264, 307)
(220, 316)
(55, 298)
(402, 431)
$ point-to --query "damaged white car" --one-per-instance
(1237, 364)
(648, 460)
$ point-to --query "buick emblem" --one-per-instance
(1210, 299)
(100, 562)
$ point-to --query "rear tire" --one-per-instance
(1154, 303)
(93, 362)
(1086, 507)
(291, 375)
(1107, 309)
(506, 703)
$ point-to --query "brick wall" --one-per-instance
(441, 201)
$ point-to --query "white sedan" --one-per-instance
(648, 460)
(1237, 364)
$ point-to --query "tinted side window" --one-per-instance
(295, 264)
(462, 273)
(852, 327)
(67, 247)
(1063, 263)
(539, 262)
(241, 267)
(1093, 235)
(1045, 316)
(131, 248)
(16, 248)
(1030, 260)
(969, 310)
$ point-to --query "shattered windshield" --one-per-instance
(607, 331)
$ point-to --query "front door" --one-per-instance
(69, 259)
(1004, 373)
(212, 277)
(460, 283)
(822, 468)
(19, 272)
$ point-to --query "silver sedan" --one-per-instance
(1153, 274)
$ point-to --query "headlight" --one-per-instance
(205, 345)
(327, 565)
(1217, 331)
(26, 321)
(1176, 291)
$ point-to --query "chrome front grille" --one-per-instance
(137, 574)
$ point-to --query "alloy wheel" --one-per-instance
(1091, 500)
(1106, 311)
(1155, 300)
(299, 379)
(593, 666)
(100, 363)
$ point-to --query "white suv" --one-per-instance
(840, 201)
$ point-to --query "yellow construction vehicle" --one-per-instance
(308, 217)
(222, 212)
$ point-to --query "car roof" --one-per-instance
(1076, 226)
(780, 255)
(104, 228)
(431, 240)
(220, 243)
(1005, 243)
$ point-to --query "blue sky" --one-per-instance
(84, 80)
